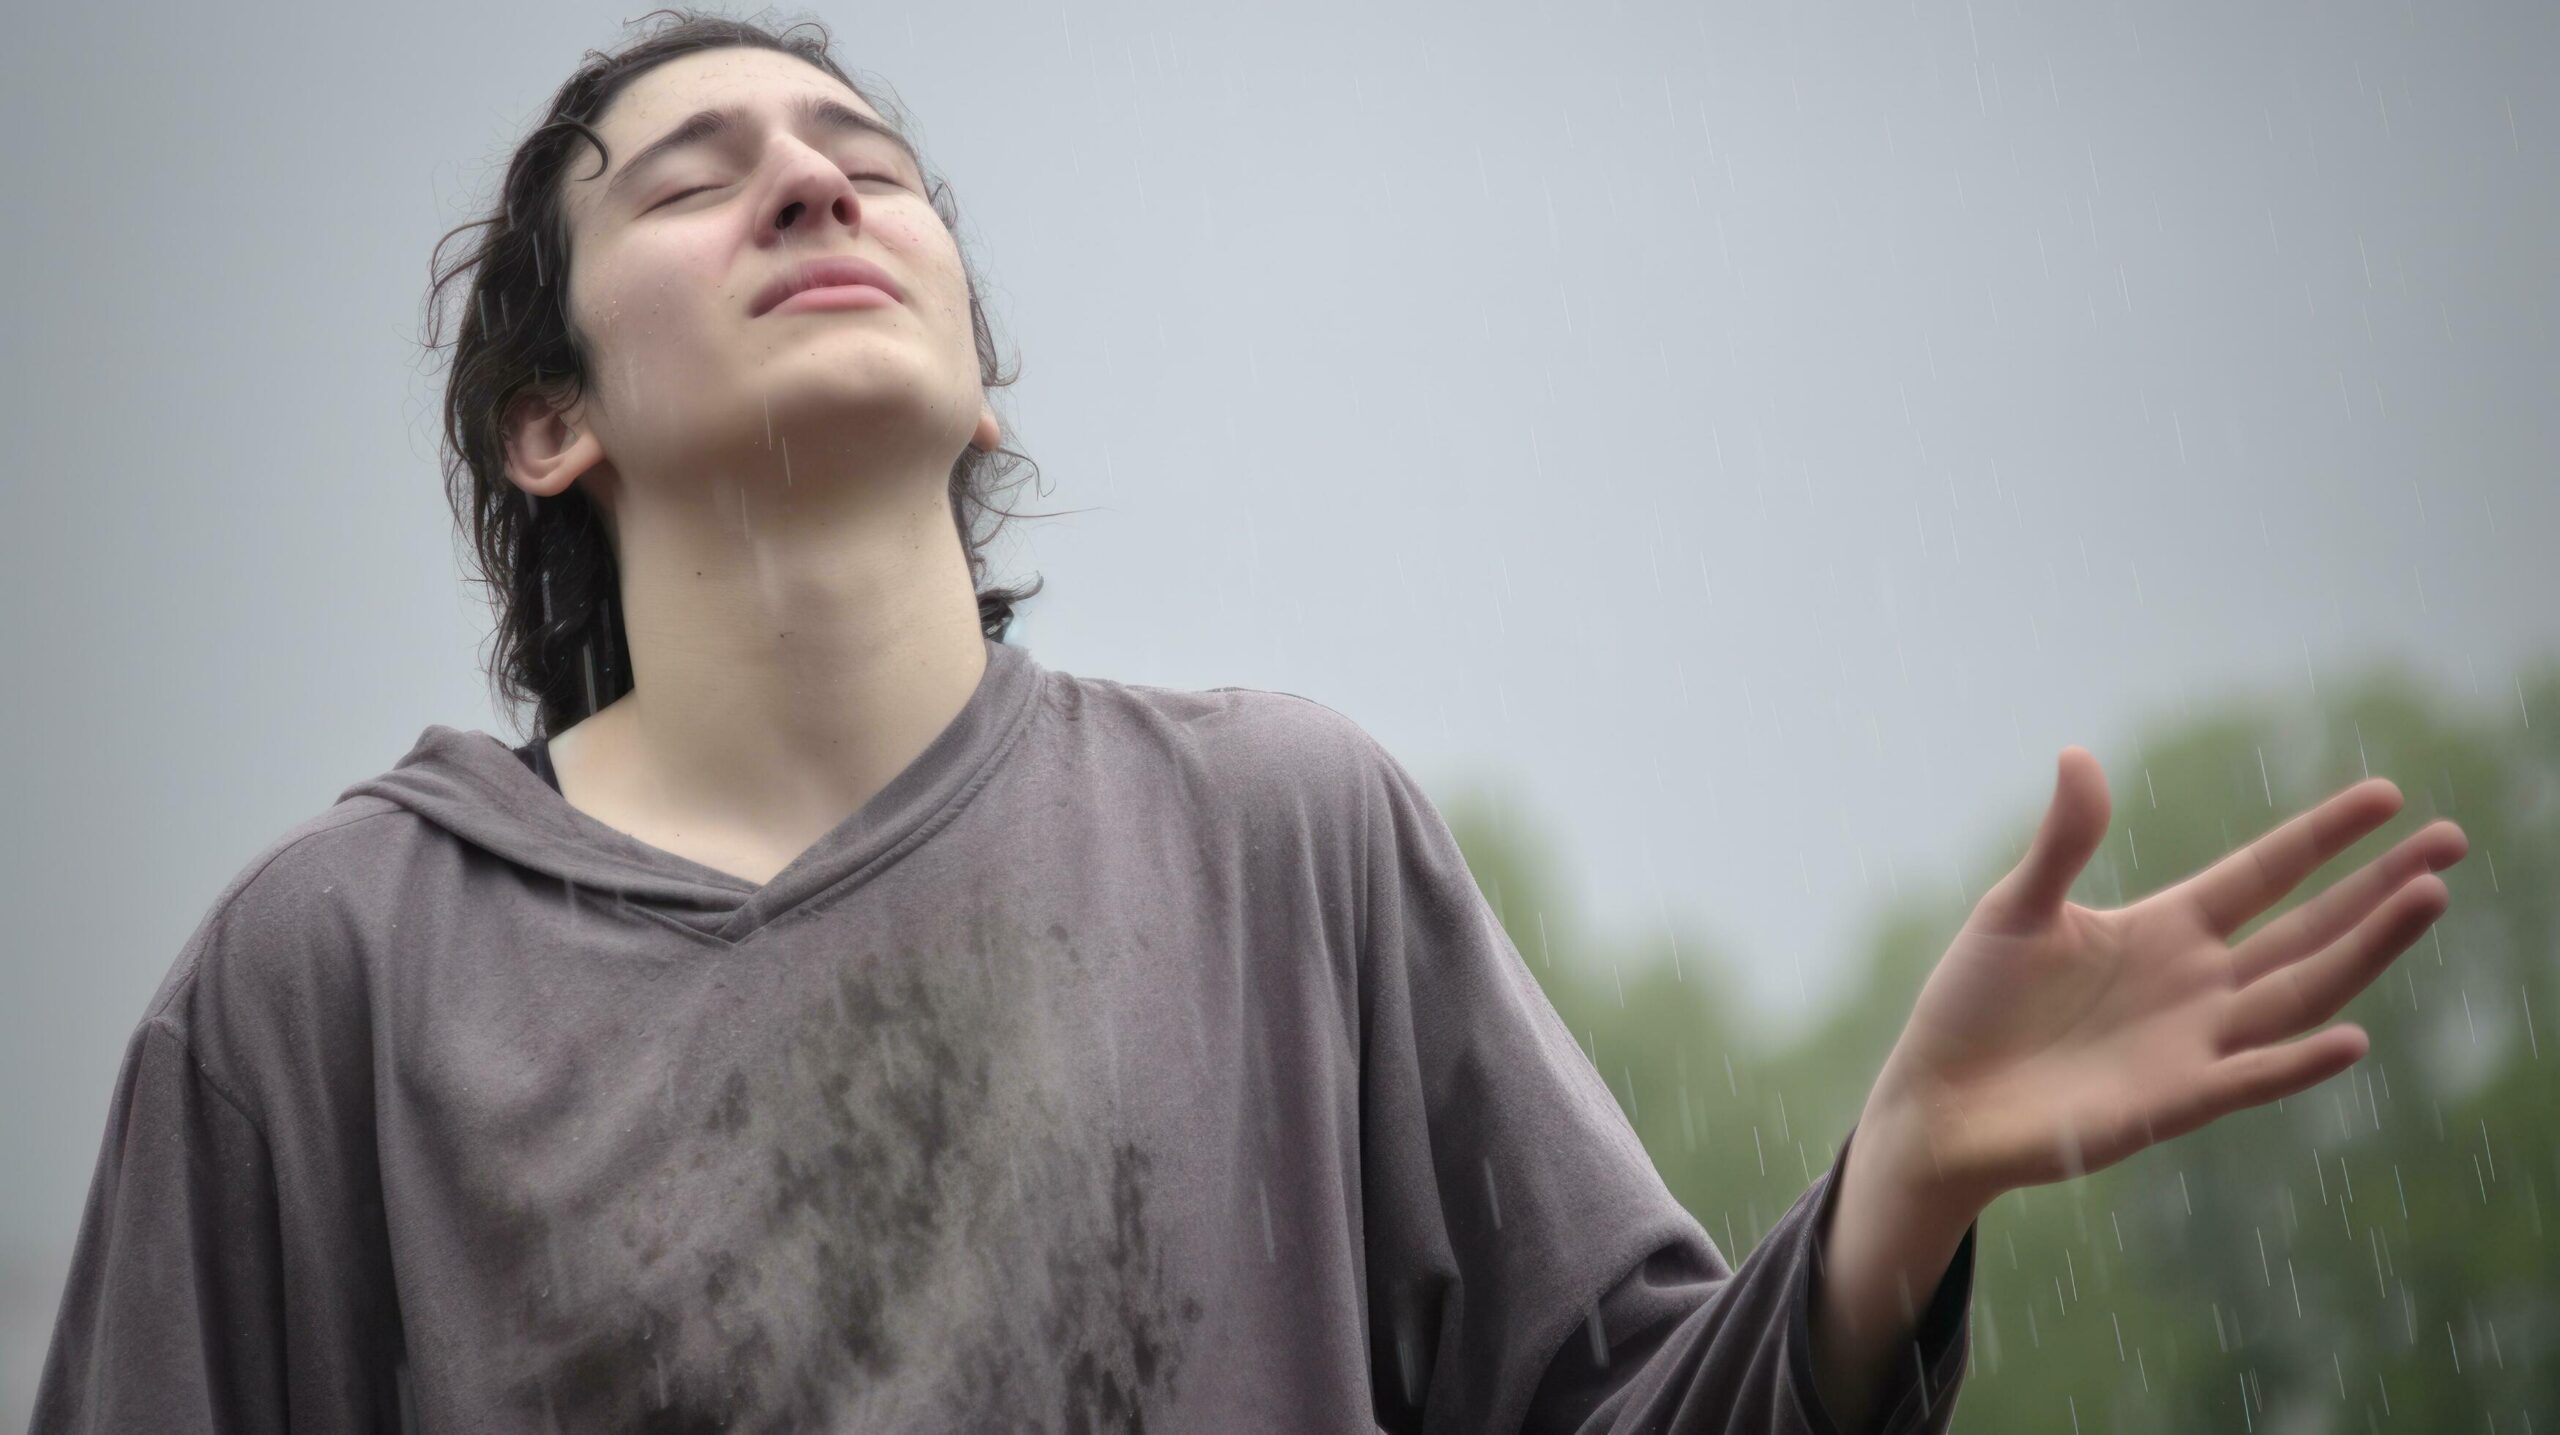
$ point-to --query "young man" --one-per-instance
(859, 1025)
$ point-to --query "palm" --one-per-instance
(2054, 1039)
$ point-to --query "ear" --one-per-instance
(989, 432)
(548, 449)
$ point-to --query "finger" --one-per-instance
(2300, 995)
(2325, 918)
(2074, 824)
(2251, 880)
(2260, 1075)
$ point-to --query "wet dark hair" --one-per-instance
(548, 564)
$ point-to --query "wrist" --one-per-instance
(1904, 1143)
(1892, 1236)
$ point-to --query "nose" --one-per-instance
(812, 186)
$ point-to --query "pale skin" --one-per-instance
(800, 612)
(2054, 1039)
(802, 624)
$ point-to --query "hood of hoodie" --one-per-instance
(470, 783)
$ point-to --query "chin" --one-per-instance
(852, 412)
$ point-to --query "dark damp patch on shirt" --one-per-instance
(730, 1113)
(1100, 1394)
(910, 1191)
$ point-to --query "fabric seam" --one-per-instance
(1026, 712)
(162, 1026)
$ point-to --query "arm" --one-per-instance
(2050, 1041)
(1888, 1246)
(1528, 1269)
(172, 1317)
(2053, 1040)
(1686, 1342)
(231, 1271)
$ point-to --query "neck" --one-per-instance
(793, 647)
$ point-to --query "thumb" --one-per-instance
(2073, 827)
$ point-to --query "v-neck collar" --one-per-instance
(472, 784)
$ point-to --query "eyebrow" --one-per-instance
(816, 111)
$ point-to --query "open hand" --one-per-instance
(2053, 1039)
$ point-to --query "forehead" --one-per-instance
(661, 98)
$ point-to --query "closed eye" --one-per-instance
(699, 188)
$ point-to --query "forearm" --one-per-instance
(1890, 1242)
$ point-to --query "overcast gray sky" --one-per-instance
(1764, 433)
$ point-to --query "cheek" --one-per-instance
(925, 251)
(920, 243)
(648, 298)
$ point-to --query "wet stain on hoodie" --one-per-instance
(900, 1199)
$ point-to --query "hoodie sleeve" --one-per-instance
(1503, 1190)
(1528, 1269)
(1688, 1343)
(174, 1315)
(228, 1274)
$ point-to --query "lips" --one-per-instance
(827, 273)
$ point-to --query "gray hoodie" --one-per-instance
(1137, 1058)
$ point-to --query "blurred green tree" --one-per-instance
(2370, 1255)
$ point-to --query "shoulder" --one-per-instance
(277, 950)
(1261, 746)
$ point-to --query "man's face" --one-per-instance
(672, 250)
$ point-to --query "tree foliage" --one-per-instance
(2376, 1253)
